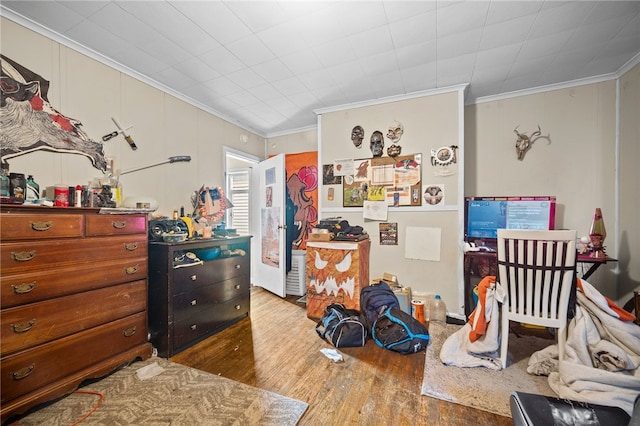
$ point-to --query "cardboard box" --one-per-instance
(320, 237)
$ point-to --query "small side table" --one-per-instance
(595, 263)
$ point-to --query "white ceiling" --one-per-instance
(267, 65)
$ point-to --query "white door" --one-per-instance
(270, 212)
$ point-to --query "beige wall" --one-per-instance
(430, 122)
(163, 126)
(577, 164)
(629, 177)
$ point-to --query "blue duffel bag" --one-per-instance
(398, 331)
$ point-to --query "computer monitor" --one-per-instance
(485, 215)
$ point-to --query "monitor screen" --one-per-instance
(485, 215)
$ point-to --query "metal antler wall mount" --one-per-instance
(524, 142)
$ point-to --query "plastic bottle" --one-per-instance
(4, 184)
(33, 189)
(438, 311)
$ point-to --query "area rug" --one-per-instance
(480, 387)
(176, 396)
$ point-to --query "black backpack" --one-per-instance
(398, 331)
(342, 327)
(375, 299)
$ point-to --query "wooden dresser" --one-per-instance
(73, 299)
(191, 301)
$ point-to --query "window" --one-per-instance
(238, 192)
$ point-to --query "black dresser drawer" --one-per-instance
(202, 322)
(211, 271)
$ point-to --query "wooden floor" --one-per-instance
(277, 349)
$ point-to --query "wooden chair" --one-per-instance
(537, 270)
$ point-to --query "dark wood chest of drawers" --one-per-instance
(73, 299)
(191, 301)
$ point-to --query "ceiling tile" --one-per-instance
(215, 18)
(222, 60)
(195, 69)
(246, 78)
(334, 52)
(416, 54)
(399, 10)
(250, 50)
(283, 39)
(53, 15)
(258, 15)
(564, 17)
(272, 70)
(301, 61)
(459, 44)
(416, 29)
(371, 42)
(173, 25)
(355, 17)
(506, 32)
(461, 17)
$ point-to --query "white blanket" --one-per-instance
(460, 351)
(602, 356)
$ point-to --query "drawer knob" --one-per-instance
(193, 277)
(129, 331)
(131, 270)
(237, 307)
(237, 286)
(23, 327)
(23, 372)
(194, 302)
(237, 266)
(23, 256)
(23, 287)
(40, 226)
(119, 224)
(130, 246)
(193, 327)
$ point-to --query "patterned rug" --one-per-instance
(480, 387)
(175, 395)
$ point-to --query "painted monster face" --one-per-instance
(334, 271)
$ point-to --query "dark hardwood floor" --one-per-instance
(277, 349)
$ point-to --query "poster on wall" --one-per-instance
(397, 180)
(270, 237)
(329, 177)
(434, 194)
(30, 123)
(302, 191)
(388, 234)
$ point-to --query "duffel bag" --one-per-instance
(398, 331)
(342, 327)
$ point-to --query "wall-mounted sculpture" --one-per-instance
(524, 142)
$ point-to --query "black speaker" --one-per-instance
(162, 226)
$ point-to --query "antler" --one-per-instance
(536, 133)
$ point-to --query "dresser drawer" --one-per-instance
(210, 272)
(106, 224)
(26, 256)
(36, 323)
(29, 370)
(206, 297)
(39, 285)
(205, 321)
(39, 226)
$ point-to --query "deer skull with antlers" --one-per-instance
(523, 144)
